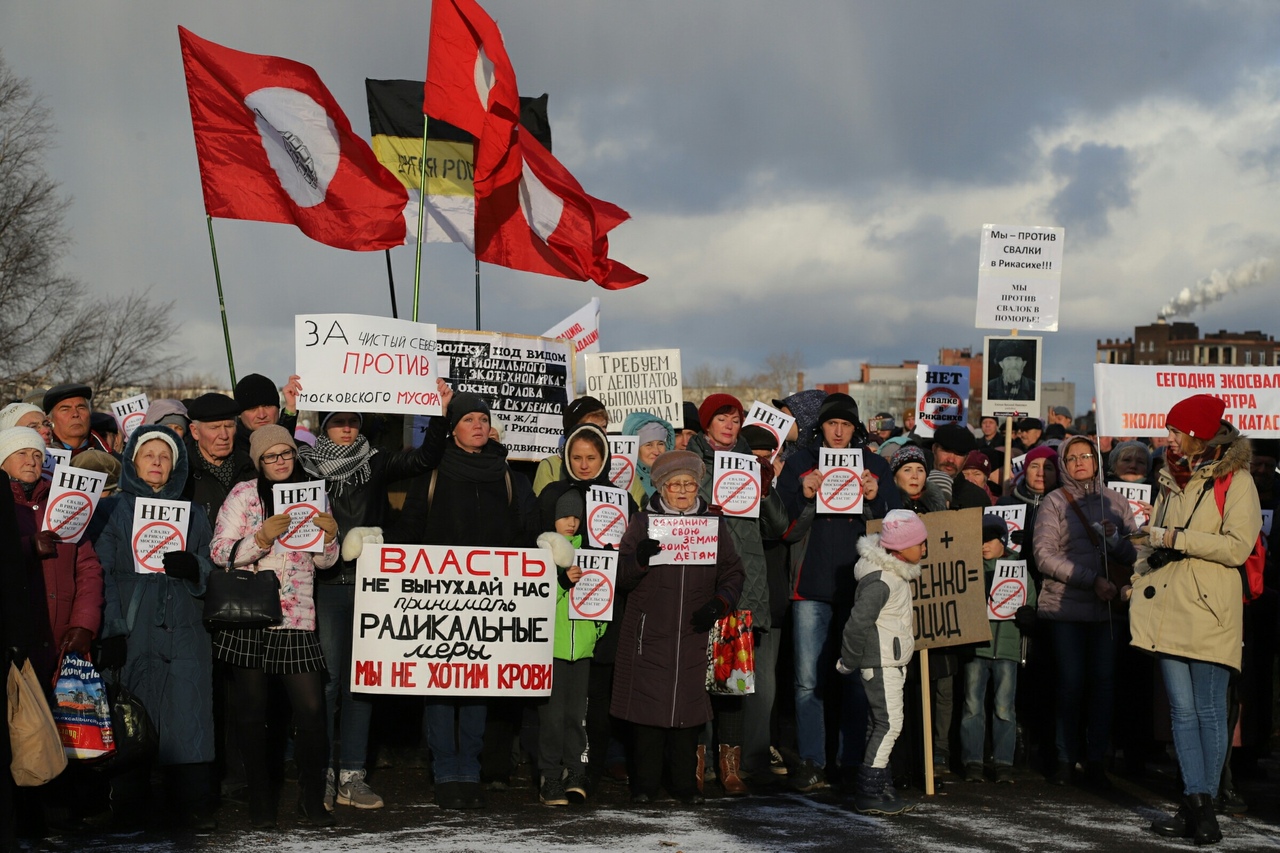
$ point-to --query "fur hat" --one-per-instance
(265, 438)
(717, 404)
(1198, 416)
(14, 439)
(675, 462)
(902, 529)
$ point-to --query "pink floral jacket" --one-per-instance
(239, 519)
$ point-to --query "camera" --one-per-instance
(1162, 557)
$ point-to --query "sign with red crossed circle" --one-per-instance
(736, 484)
(840, 491)
(159, 527)
(73, 497)
(1008, 590)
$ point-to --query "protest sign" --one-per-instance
(1134, 493)
(1267, 516)
(71, 501)
(942, 395)
(606, 516)
(1016, 464)
(1015, 520)
(686, 540)
(53, 457)
(130, 413)
(840, 491)
(949, 599)
(303, 502)
(526, 382)
(624, 451)
(592, 597)
(581, 328)
(441, 620)
(735, 486)
(1008, 590)
(159, 527)
(1013, 376)
(1019, 277)
(358, 362)
(1134, 398)
(639, 381)
(778, 423)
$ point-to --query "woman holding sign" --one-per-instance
(250, 534)
(157, 609)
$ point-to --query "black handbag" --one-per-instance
(242, 599)
(135, 737)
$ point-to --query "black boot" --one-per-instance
(1206, 820)
(1180, 824)
(876, 794)
(311, 746)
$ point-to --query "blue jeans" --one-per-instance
(1197, 693)
(816, 649)
(973, 724)
(1085, 653)
(455, 744)
(335, 612)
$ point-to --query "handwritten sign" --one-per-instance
(1008, 590)
(582, 328)
(840, 491)
(1133, 399)
(606, 516)
(1015, 520)
(303, 502)
(686, 540)
(363, 363)
(592, 597)
(776, 422)
(159, 527)
(638, 381)
(624, 451)
(735, 486)
(72, 499)
(439, 620)
(942, 397)
(1134, 493)
(53, 457)
(1019, 277)
(130, 413)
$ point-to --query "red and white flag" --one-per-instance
(274, 146)
(531, 213)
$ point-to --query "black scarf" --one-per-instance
(487, 466)
(224, 473)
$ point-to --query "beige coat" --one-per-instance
(1193, 607)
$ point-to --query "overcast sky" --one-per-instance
(811, 175)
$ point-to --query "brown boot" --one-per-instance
(702, 765)
(730, 762)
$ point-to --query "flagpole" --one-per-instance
(222, 304)
(391, 283)
(422, 198)
(478, 327)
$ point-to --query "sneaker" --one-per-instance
(973, 773)
(354, 791)
(808, 777)
(777, 766)
(552, 793)
(330, 789)
(575, 787)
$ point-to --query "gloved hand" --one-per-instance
(110, 652)
(766, 477)
(647, 550)
(182, 565)
(326, 522)
(1025, 618)
(47, 544)
(77, 640)
(941, 481)
(272, 529)
(706, 615)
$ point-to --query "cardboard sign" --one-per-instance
(357, 362)
(778, 423)
(159, 527)
(1133, 493)
(1008, 590)
(639, 381)
(53, 457)
(592, 597)
(72, 500)
(841, 489)
(1013, 376)
(949, 599)
(942, 397)
(581, 328)
(440, 620)
(1019, 277)
(686, 540)
(1133, 399)
(735, 485)
(606, 516)
(1015, 519)
(1267, 515)
(130, 413)
(624, 453)
(525, 380)
(303, 502)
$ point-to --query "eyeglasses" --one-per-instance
(282, 456)
(681, 487)
(1081, 457)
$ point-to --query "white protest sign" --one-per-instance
(942, 397)
(303, 502)
(840, 491)
(592, 597)
(686, 540)
(735, 486)
(776, 422)
(639, 381)
(1008, 590)
(582, 328)
(1016, 464)
(1015, 520)
(159, 527)
(53, 457)
(440, 620)
(1267, 515)
(624, 452)
(1134, 493)
(71, 502)
(1133, 399)
(363, 363)
(1019, 277)
(130, 413)
(606, 516)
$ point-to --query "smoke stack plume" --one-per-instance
(1217, 285)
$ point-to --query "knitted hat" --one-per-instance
(1043, 451)
(577, 410)
(164, 411)
(102, 462)
(14, 412)
(995, 527)
(267, 437)
(905, 455)
(212, 408)
(759, 438)
(978, 461)
(1198, 416)
(652, 431)
(58, 393)
(570, 503)
(463, 404)
(902, 529)
(167, 436)
(256, 390)
(691, 419)
(324, 419)
(14, 439)
(718, 404)
(955, 438)
(840, 406)
(675, 462)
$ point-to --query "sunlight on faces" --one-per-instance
(37, 422)
(914, 554)
(24, 465)
(837, 433)
(992, 548)
(1081, 463)
(214, 438)
(153, 462)
(1040, 475)
(600, 418)
(946, 461)
(277, 462)
(651, 450)
(472, 431)
(260, 416)
(584, 459)
(724, 428)
(343, 428)
(567, 526)
(680, 492)
(71, 420)
(911, 479)
(682, 438)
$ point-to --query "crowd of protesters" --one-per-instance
(1114, 655)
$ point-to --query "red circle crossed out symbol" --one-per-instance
(74, 506)
(606, 522)
(828, 495)
(299, 515)
(624, 475)
(592, 589)
(750, 482)
(1010, 588)
(953, 410)
(162, 534)
(132, 421)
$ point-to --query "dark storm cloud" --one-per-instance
(1097, 180)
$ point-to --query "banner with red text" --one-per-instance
(1134, 398)
(360, 363)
